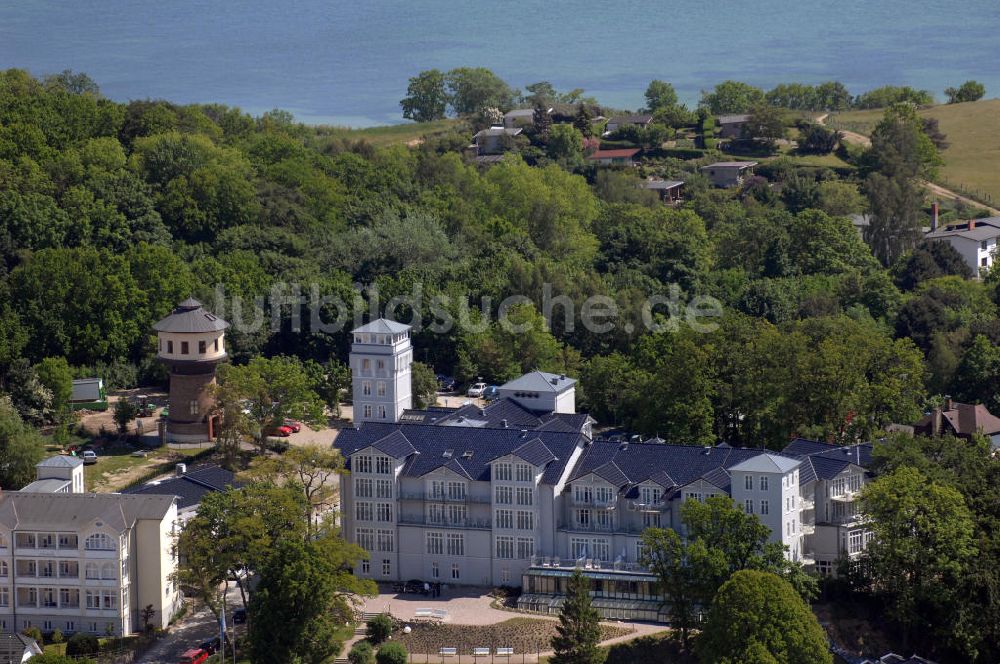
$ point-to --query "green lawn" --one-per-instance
(116, 466)
(390, 134)
(972, 161)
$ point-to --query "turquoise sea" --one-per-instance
(344, 62)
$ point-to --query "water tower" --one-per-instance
(191, 343)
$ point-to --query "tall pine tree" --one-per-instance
(579, 628)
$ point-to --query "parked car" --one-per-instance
(240, 617)
(193, 656)
(476, 390)
(445, 383)
(282, 430)
(294, 425)
(491, 393)
(89, 457)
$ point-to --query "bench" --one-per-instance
(480, 652)
(448, 652)
(430, 614)
(505, 652)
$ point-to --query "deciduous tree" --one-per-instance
(426, 99)
(757, 617)
(968, 91)
(271, 390)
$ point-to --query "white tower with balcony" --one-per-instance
(380, 371)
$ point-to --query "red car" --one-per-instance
(194, 656)
(294, 425)
(283, 431)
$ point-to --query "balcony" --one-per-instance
(846, 497)
(653, 506)
(808, 529)
(481, 524)
(586, 563)
(607, 528)
(443, 498)
(807, 504)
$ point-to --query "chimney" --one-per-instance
(972, 224)
(180, 469)
(935, 212)
(936, 422)
(948, 405)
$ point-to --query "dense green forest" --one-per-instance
(111, 213)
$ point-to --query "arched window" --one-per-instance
(91, 571)
(99, 542)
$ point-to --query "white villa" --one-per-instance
(88, 562)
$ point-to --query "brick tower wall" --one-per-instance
(188, 384)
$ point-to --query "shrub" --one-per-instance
(362, 653)
(56, 637)
(379, 628)
(82, 644)
(34, 633)
(277, 445)
(392, 653)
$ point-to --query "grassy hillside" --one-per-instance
(390, 134)
(972, 162)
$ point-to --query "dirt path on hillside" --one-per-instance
(935, 189)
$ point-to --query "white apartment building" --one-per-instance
(88, 562)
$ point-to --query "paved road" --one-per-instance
(194, 629)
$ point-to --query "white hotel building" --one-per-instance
(519, 493)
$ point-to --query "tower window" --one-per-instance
(194, 407)
(216, 345)
(170, 346)
(184, 348)
(202, 347)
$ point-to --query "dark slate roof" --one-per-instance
(13, 647)
(677, 464)
(191, 317)
(431, 443)
(395, 445)
(804, 446)
(827, 460)
(534, 452)
(191, 487)
(495, 413)
(612, 473)
(425, 415)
